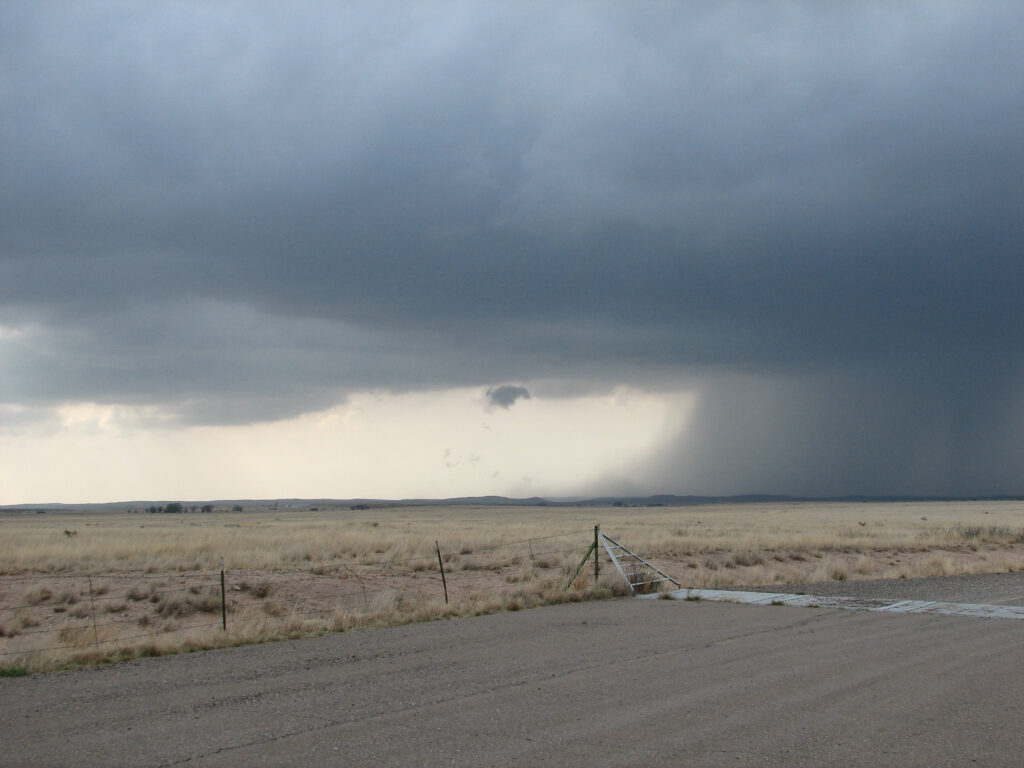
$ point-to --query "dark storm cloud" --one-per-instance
(905, 431)
(810, 213)
(506, 395)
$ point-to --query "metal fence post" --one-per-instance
(223, 599)
(92, 605)
(440, 562)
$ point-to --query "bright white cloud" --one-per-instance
(419, 444)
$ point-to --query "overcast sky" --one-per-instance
(428, 249)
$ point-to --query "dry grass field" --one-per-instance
(131, 584)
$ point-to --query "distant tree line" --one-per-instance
(176, 508)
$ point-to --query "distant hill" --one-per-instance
(658, 500)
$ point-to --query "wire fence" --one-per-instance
(80, 613)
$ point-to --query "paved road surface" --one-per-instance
(989, 588)
(616, 683)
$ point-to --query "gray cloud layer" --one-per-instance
(811, 214)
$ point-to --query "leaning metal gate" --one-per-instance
(638, 574)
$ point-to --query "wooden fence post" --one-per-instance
(597, 549)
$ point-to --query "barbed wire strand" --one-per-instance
(183, 574)
(113, 640)
(336, 570)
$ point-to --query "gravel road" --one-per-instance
(616, 683)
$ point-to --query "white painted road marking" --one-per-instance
(847, 603)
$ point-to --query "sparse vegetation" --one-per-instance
(338, 570)
(837, 573)
(262, 590)
(137, 593)
(207, 601)
(36, 595)
(746, 558)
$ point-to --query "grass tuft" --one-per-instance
(262, 590)
(36, 595)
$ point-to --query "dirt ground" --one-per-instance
(44, 611)
(139, 583)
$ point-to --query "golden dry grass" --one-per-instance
(279, 539)
(155, 589)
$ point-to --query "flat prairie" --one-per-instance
(81, 587)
